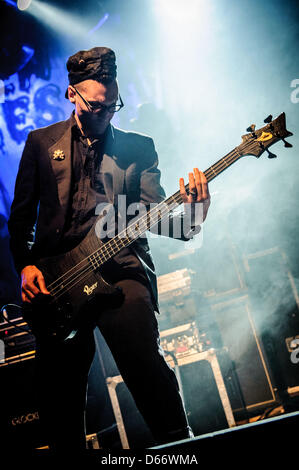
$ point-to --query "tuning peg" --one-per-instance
(287, 144)
(270, 154)
(268, 119)
(251, 128)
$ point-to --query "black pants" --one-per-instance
(131, 332)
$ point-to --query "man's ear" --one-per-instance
(71, 94)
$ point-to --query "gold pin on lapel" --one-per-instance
(58, 155)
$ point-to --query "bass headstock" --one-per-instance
(257, 141)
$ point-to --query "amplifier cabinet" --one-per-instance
(19, 419)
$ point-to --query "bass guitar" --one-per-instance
(74, 279)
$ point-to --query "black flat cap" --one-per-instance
(97, 63)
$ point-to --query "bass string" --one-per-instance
(80, 275)
(104, 249)
(106, 246)
(86, 269)
(210, 173)
(107, 252)
(177, 196)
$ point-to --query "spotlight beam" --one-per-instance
(23, 4)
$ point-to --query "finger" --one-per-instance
(192, 185)
(25, 298)
(204, 185)
(42, 284)
(27, 292)
(30, 286)
(198, 184)
(192, 188)
(183, 190)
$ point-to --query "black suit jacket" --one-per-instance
(42, 190)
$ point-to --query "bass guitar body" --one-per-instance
(78, 292)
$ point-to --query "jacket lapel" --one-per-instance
(113, 174)
(62, 166)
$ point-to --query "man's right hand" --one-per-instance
(33, 283)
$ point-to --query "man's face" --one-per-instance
(94, 122)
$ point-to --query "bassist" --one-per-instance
(66, 171)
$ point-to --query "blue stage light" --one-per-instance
(11, 3)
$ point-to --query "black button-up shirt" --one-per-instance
(87, 191)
